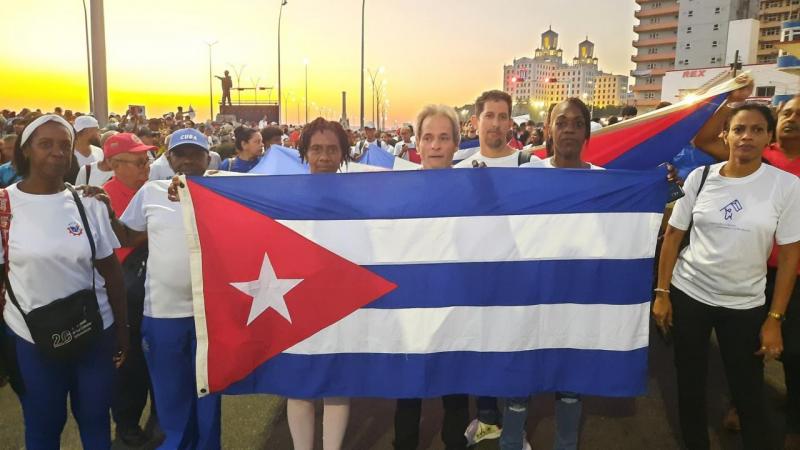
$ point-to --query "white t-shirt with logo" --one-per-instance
(511, 160)
(97, 155)
(168, 285)
(49, 253)
(735, 221)
(547, 163)
(97, 177)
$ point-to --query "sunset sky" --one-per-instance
(433, 51)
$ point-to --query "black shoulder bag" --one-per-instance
(687, 237)
(65, 328)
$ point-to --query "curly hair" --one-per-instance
(320, 125)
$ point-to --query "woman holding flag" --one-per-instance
(323, 145)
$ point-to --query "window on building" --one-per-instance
(765, 91)
(716, 27)
(688, 30)
(688, 46)
(691, 13)
(713, 60)
(713, 44)
(716, 10)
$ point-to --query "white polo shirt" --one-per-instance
(511, 160)
(168, 285)
(49, 253)
(735, 221)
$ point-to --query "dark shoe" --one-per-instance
(731, 421)
(133, 437)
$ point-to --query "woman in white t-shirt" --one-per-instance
(717, 282)
(324, 146)
(49, 257)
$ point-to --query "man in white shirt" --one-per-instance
(492, 119)
(407, 148)
(168, 334)
(87, 140)
(370, 140)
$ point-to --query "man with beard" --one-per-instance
(492, 120)
(87, 140)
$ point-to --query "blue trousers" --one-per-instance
(568, 421)
(89, 383)
(188, 422)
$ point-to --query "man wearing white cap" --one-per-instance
(87, 140)
(370, 140)
(168, 334)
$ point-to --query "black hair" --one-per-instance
(493, 95)
(629, 110)
(269, 133)
(319, 125)
(755, 107)
(587, 122)
(241, 135)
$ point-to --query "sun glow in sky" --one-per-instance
(433, 51)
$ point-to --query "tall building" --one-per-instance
(655, 45)
(771, 13)
(703, 30)
(546, 78)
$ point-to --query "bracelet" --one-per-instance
(777, 316)
(664, 291)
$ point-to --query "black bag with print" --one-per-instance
(67, 327)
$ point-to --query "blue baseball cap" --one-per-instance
(188, 136)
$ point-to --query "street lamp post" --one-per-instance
(88, 56)
(305, 62)
(363, 6)
(210, 81)
(280, 99)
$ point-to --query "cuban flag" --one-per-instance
(656, 137)
(280, 160)
(378, 157)
(500, 282)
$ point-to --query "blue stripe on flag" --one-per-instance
(665, 145)
(516, 283)
(445, 193)
(590, 372)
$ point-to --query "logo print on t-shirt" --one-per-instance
(730, 208)
(74, 229)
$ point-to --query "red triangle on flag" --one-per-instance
(234, 240)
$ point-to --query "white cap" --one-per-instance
(370, 125)
(84, 122)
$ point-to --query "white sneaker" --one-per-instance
(478, 431)
(525, 444)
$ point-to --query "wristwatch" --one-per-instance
(777, 316)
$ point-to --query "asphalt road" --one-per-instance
(649, 422)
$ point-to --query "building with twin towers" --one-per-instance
(546, 78)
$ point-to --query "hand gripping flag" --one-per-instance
(648, 140)
(501, 282)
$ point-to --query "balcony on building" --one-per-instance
(646, 87)
(672, 9)
(648, 72)
(654, 42)
(643, 28)
(651, 57)
(647, 102)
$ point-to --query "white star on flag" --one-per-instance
(268, 291)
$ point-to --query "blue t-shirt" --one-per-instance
(8, 175)
(239, 165)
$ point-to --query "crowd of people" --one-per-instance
(728, 263)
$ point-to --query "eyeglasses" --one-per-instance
(139, 163)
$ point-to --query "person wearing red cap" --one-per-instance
(129, 159)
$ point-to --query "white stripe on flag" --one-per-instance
(466, 328)
(467, 239)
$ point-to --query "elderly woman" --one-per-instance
(52, 244)
(324, 146)
(733, 211)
